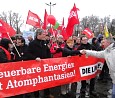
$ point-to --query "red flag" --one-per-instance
(51, 30)
(63, 32)
(6, 29)
(72, 20)
(88, 33)
(33, 19)
(45, 20)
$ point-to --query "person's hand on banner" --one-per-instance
(38, 59)
(69, 56)
(83, 51)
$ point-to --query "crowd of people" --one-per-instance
(46, 46)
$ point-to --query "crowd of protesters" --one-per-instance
(46, 46)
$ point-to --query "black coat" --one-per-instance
(38, 48)
(23, 51)
(67, 51)
(85, 46)
(3, 56)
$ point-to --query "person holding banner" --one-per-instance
(38, 49)
(86, 45)
(109, 55)
(70, 51)
(22, 49)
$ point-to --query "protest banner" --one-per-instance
(28, 76)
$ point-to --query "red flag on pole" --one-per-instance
(6, 29)
(51, 30)
(63, 32)
(45, 20)
(88, 33)
(72, 20)
(33, 19)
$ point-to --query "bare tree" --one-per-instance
(90, 22)
(13, 19)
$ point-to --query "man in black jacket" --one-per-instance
(38, 49)
(86, 45)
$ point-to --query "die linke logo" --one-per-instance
(73, 14)
(33, 19)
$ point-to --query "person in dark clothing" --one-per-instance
(38, 49)
(30, 38)
(95, 44)
(100, 38)
(104, 75)
(22, 52)
(69, 51)
(20, 55)
(78, 42)
(4, 50)
(86, 45)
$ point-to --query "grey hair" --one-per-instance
(38, 32)
(111, 40)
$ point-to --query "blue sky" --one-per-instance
(62, 8)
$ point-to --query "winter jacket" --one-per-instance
(85, 46)
(38, 48)
(3, 56)
(67, 51)
(109, 55)
(56, 50)
(22, 51)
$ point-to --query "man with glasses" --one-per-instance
(86, 45)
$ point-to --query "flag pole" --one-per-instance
(13, 44)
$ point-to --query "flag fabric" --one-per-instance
(72, 20)
(6, 29)
(62, 25)
(56, 26)
(33, 19)
(45, 20)
(88, 33)
(64, 34)
(51, 31)
(63, 30)
(106, 32)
